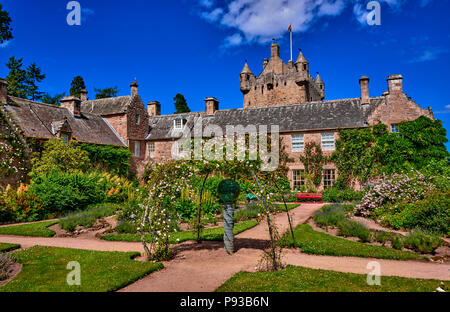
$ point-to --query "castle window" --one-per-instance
(137, 149)
(394, 128)
(328, 141)
(262, 89)
(329, 177)
(138, 119)
(304, 67)
(297, 179)
(298, 142)
(151, 149)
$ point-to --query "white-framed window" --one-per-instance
(329, 177)
(328, 141)
(178, 123)
(137, 149)
(298, 142)
(151, 149)
(297, 179)
(394, 128)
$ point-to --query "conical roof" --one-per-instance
(301, 58)
(246, 69)
(318, 79)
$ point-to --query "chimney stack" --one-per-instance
(3, 91)
(73, 104)
(154, 108)
(83, 95)
(134, 88)
(211, 106)
(395, 84)
(364, 83)
(274, 50)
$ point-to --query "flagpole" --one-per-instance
(291, 42)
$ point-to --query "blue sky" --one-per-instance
(198, 48)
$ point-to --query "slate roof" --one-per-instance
(107, 106)
(39, 120)
(320, 115)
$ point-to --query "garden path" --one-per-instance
(205, 266)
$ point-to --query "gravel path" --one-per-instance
(205, 266)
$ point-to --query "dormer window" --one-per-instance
(179, 123)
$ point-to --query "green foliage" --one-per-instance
(5, 247)
(317, 243)
(180, 104)
(111, 158)
(49, 99)
(20, 205)
(422, 242)
(126, 227)
(5, 26)
(87, 218)
(301, 279)
(438, 171)
(313, 160)
(61, 192)
(432, 214)
(37, 229)
(382, 237)
(335, 195)
(329, 215)
(397, 242)
(368, 152)
(34, 75)
(106, 93)
(350, 228)
(16, 78)
(57, 155)
(45, 270)
(76, 86)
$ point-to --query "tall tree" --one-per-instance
(106, 93)
(181, 104)
(17, 78)
(55, 100)
(76, 86)
(5, 26)
(34, 75)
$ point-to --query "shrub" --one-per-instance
(422, 242)
(350, 228)
(431, 214)
(393, 189)
(397, 242)
(382, 237)
(87, 218)
(288, 197)
(244, 214)
(20, 205)
(5, 265)
(329, 215)
(61, 192)
(126, 227)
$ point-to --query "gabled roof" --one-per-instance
(320, 115)
(107, 106)
(39, 120)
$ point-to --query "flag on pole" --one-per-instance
(290, 32)
(290, 27)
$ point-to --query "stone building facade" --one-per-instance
(283, 94)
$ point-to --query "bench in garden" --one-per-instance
(309, 197)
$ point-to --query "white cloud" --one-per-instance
(429, 54)
(233, 40)
(213, 16)
(5, 44)
(85, 12)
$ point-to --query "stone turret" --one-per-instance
(246, 76)
(319, 82)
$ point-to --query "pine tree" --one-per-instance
(181, 104)
(106, 93)
(17, 78)
(34, 75)
(5, 26)
(76, 86)
(55, 100)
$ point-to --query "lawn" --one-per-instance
(211, 234)
(301, 279)
(38, 229)
(318, 243)
(290, 206)
(5, 247)
(45, 270)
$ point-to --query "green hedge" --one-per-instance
(334, 195)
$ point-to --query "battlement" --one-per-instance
(280, 83)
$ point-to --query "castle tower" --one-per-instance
(280, 84)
